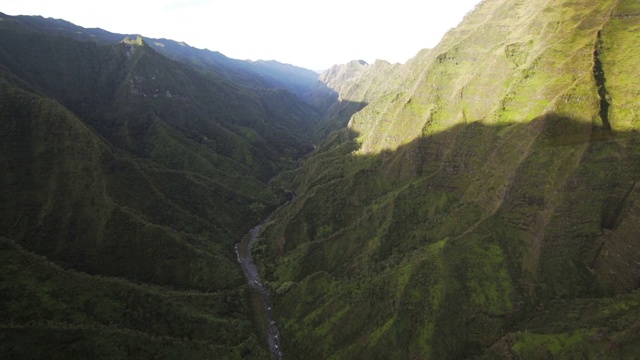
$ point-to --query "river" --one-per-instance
(245, 258)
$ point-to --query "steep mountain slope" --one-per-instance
(261, 74)
(485, 207)
(126, 180)
(68, 195)
(345, 89)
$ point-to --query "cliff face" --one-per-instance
(488, 188)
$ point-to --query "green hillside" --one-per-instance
(480, 201)
(482, 204)
(126, 180)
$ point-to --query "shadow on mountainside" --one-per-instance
(454, 240)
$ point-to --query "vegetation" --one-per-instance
(51, 312)
(126, 180)
(479, 201)
(480, 205)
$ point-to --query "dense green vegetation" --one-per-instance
(479, 201)
(482, 204)
(50, 312)
(126, 180)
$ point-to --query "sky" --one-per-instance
(311, 34)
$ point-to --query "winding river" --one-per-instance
(245, 258)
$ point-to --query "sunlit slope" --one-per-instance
(345, 89)
(507, 62)
(485, 208)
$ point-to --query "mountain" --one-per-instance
(345, 89)
(127, 178)
(261, 74)
(481, 203)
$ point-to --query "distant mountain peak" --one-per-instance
(360, 62)
(138, 41)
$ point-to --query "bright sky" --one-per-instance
(311, 34)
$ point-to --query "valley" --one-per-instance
(479, 201)
(245, 259)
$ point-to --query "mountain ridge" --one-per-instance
(261, 73)
(459, 212)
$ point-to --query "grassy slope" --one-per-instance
(345, 89)
(480, 201)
